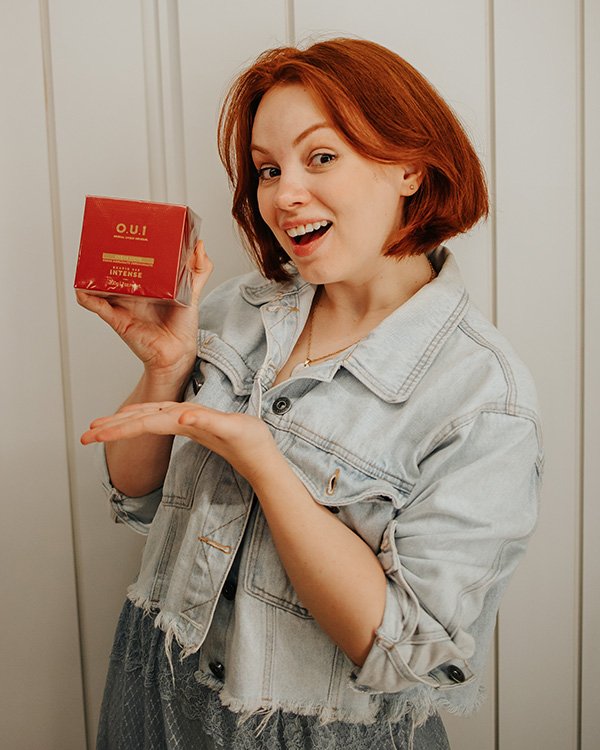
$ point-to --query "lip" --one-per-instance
(303, 251)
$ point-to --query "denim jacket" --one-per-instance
(423, 438)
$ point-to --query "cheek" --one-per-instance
(263, 205)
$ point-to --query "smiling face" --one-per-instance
(331, 209)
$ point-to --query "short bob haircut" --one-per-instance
(388, 112)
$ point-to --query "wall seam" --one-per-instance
(492, 160)
(581, 336)
(492, 183)
(290, 23)
(155, 125)
(174, 146)
(59, 272)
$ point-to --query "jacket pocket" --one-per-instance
(265, 577)
(363, 503)
(335, 477)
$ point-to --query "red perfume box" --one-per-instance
(136, 249)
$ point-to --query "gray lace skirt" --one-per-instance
(143, 710)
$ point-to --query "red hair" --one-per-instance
(388, 112)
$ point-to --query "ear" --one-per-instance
(410, 179)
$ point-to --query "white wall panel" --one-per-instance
(217, 42)
(99, 89)
(426, 35)
(590, 662)
(538, 309)
(41, 688)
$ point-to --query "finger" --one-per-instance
(202, 418)
(161, 422)
(87, 300)
(201, 267)
(98, 305)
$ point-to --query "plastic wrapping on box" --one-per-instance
(137, 249)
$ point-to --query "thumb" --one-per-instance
(98, 305)
(201, 267)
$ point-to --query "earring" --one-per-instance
(411, 187)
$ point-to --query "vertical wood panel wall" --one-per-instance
(41, 684)
(590, 403)
(133, 91)
(539, 255)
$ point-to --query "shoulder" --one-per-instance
(479, 385)
(495, 357)
(472, 371)
(496, 370)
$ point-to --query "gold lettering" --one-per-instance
(128, 273)
(135, 260)
(131, 232)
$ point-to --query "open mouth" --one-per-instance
(309, 235)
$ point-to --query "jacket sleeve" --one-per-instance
(136, 512)
(449, 553)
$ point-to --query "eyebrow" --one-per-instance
(304, 134)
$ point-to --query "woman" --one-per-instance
(357, 455)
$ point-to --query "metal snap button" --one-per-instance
(455, 673)
(281, 405)
(217, 669)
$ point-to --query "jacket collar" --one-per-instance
(268, 291)
(393, 358)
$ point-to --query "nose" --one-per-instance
(291, 191)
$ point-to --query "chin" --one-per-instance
(314, 275)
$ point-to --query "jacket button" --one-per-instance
(217, 669)
(229, 590)
(455, 673)
(281, 405)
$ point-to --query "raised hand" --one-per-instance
(242, 440)
(163, 337)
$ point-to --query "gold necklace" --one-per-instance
(311, 360)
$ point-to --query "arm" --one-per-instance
(333, 571)
(451, 551)
(138, 466)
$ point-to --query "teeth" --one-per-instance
(304, 228)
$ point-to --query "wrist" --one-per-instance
(270, 471)
(168, 380)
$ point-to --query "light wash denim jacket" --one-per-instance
(423, 438)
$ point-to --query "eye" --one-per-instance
(322, 159)
(268, 173)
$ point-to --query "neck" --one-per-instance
(379, 294)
